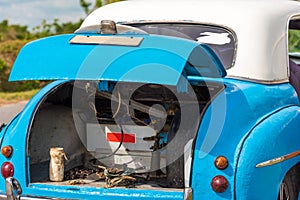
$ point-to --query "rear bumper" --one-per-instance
(187, 196)
(42, 191)
(4, 197)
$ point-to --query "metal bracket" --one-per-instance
(13, 189)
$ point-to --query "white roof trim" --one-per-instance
(260, 26)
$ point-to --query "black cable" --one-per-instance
(117, 149)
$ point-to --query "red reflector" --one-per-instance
(219, 184)
(117, 137)
(7, 170)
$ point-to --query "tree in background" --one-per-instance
(13, 37)
(12, 32)
(89, 7)
(294, 41)
(54, 28)
(8, 53)
(18, 32)
(85, 5)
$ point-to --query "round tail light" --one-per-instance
(7, 151)
(7, 170)
(221, 162)
(219, 184)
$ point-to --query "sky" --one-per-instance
(32, 12)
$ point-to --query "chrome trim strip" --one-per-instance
(35, 198)
(258, 81)
(4, 197)
(188, 162)
(188, 193)
(278, 160)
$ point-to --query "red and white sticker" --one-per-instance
(117, 137)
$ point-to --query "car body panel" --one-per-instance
(236, 92)
(78, 192)
(222, 122)
(17, 138)
(23, 119)
(251, 21)
(281, 126)
(162, 60)
(252, 119)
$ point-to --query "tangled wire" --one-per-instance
(115, 177)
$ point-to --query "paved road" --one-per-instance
(7, 112)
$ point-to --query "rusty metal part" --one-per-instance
(84, 173)
(77, 182)
(116, 177)
(125, 180)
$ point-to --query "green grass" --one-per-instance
(12, 97)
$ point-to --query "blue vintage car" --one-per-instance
(193, 100)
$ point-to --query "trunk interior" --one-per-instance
(118, 134)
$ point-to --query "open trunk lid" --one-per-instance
(135, 58)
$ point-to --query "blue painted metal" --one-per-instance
(271, 109)
(80, 192)
(247, 122)
(225, 128)
(158, 59)
(275, 135)
(16, 136)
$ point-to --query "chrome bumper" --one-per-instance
(4, 197)
(14, 191)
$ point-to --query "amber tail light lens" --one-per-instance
(7, 151)
(7, 170)
(221, 162)
(219, 184)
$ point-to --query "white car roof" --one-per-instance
(260, 25)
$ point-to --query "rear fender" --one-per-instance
(274, 136)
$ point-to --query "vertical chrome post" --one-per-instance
(188, 193)
(13, 189)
